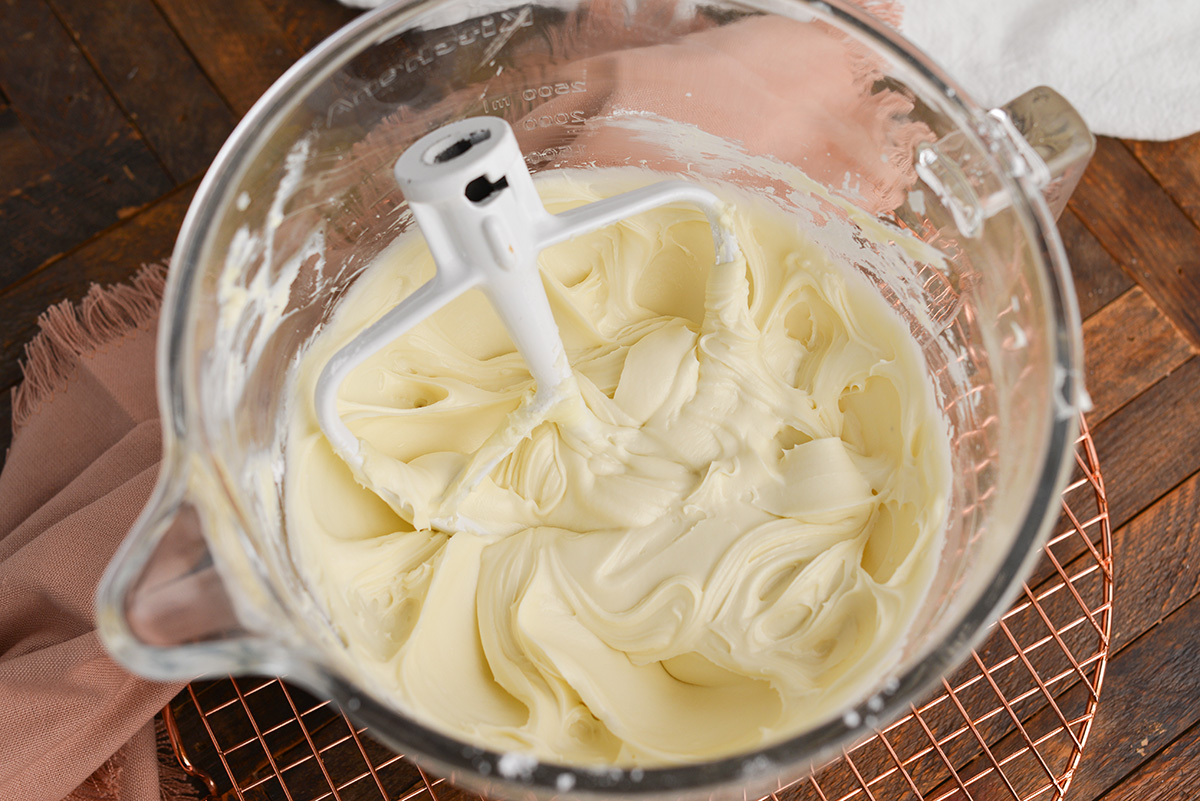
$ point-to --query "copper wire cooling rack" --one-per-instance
(1010, 724)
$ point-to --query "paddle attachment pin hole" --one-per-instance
(481, 188)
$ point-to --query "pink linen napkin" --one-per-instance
(84, 457)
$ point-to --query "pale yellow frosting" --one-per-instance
(719, 542)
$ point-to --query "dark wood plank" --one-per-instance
(1154, 554)
(1150, 446)
(1098, 277)
(21, 160)
(170, 100)
(1138, 222)
(1172, 774)
(79, 198)
(142, 239)
(308, 22)
(59, 98)
(238, 44)
(1175, 165)
(1157, 554)
(1128, 345)
(1133, 436)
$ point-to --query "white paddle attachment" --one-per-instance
(474, 201)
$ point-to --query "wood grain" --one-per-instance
(1151, 695)
(306, 23)
(237, 44)
(80, 197)
(1098, 278)
(153, 77)
(1134, 433)
(1172, 775)
(1158, 601)
(1176, 166)
(21, 160)
(61, 101)
(1128, 346)
(1139, 223)
(1149, 446)
(1153, 589)
(271, 707)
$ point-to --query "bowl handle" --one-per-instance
(1051, 146)
(1054, 131)
(163, 610)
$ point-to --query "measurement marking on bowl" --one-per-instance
(532, 94)
(552, 153)
(497, 28)
(558, 119)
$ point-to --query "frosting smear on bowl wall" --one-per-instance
(721, 541)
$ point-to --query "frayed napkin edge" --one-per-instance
(69, 332)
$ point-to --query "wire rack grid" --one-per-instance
(1009, 724)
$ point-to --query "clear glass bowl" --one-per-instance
(302, 198)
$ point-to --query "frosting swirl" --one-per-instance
(716, 544)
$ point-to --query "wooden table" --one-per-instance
(111, 110)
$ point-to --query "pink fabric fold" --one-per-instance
(83, 461)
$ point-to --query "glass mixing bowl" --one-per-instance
(941, 204)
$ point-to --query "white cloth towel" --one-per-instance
(1131, 67)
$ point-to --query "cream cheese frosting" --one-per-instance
(718, 542)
